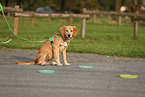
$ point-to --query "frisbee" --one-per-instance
(46, 71)
(128, 76)
(86, 67)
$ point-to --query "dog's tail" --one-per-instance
(30, 63)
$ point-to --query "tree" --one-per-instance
(19, 2)
(133, 5)
(117, 5)
(106, 5)
(6, 2)
(136, 5)
(63, 5)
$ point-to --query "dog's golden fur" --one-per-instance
(47, 53)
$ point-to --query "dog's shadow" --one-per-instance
(23, 59)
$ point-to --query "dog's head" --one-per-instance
(68, 32)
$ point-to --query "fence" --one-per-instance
(135, 15)
(9, 10)
(50, 15)
(13, 9)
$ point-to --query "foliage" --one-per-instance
(76, 5)
(133, 5)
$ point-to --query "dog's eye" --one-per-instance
(71, 30)
(66, 30)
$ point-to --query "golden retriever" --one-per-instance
(50, 50)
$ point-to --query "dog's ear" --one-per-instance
(62, 31)
(75, 31)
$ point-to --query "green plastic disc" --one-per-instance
(128, 76)
(86, 67)
(46, 71)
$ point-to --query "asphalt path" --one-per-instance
(103, 80)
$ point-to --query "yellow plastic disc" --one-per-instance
(128, 76)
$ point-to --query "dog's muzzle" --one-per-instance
(69, 36)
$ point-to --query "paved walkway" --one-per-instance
(70, 81)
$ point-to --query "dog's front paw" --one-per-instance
(54, 63)
(67, 64)
(59, 64)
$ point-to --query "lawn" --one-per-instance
(101, 38)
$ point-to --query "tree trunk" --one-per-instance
(117, 5)
(19, 2)
(6, 2)
(63, 5)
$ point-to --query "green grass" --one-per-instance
(103, 39)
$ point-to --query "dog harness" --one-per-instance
(51, 40)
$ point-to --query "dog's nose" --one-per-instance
(68, 35)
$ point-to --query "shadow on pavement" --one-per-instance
(24, 59)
